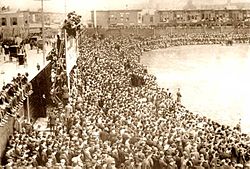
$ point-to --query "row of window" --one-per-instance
(13, 21)
(203, 17)
(178, 18)
(151, 19)
(121, 15)
(127, 19)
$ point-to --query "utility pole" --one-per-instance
(43, 34)
(65, 8)
(43, 37)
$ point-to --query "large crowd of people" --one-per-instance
(171, 40)
(12, 96)
(117, 117)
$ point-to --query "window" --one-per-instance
(139, 16)
(4, 22)
(13, 21)
(151, 19)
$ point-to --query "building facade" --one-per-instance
(12, 23)
(169, 18)
(117, 18)
(52, 21)
(25, 23)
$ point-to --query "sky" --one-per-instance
(81, 5)
(70, 4)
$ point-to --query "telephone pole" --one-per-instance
(43, 37)
(43, 34)
(65, 8)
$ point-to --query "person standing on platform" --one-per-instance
(178, 100)
(43, 105)
(52, 122)
(58, 43)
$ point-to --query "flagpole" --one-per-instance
(66, 60)
(66, 48)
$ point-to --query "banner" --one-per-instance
(71, 53)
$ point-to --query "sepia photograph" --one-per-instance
(124, 84)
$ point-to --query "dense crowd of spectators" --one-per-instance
(171, 40)
(12, 96)
(117, 117)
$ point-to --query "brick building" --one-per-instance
(12, 23)
(24, 23)
(166, 18)
(117, 18)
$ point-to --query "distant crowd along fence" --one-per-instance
(165, 31)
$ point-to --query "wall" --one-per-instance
(102, 19)
(5, 132)
(41, 85)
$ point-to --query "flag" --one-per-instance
(71, 53)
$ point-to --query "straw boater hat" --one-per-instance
(239, 165)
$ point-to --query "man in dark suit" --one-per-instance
(58, 43)
(52, 122)
(43, 104)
